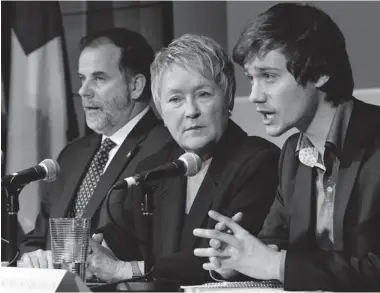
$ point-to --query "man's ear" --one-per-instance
(137, 85)
(321, 81)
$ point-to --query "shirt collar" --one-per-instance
(339, 125)
(308, 154)
(337, 131)
(119, 136)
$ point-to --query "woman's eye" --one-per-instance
(204, 94)
(174, 99)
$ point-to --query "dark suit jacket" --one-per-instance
(146, 138)
(354, 263)
(242, 177)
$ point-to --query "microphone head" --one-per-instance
(52, 169)
(192, 162)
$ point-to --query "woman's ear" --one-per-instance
(137, 85)
(321, 81)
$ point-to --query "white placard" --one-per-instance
(30, 280)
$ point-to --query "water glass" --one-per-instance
(69, 244)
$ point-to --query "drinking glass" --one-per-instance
(69, 244)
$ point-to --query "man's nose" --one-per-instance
(86, 90)
(257, 94)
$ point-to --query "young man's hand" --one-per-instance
(241, 252)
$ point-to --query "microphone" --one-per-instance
(188, 164)
(47, 170)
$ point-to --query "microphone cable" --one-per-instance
(17, 252)
(113, 221)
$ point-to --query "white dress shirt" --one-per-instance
(119, 136)
(194, 183)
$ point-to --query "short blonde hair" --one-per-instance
(199, 53)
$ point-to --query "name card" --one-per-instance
(39, 280)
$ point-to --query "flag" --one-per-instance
(40, 112)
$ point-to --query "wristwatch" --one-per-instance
(135, 269)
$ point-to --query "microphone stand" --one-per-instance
(12, 208)
(150, 283)
(147, 207)
(146, 282)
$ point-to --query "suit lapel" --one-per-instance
(77, 172)
(198, 212)
(301, 213)
(213, 188)
(350, 161)
(123, 156)
(171, 213)
(126, 152)
(169, 209)
(346, 179)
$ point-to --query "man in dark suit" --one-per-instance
(115, 91)
(193, 86)
(322, 232)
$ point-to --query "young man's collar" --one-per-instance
(336, 133)
(339, 125)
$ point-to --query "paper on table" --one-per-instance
(237, 286)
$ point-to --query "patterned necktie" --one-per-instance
(92, 176)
